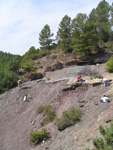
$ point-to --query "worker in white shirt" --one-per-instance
(104, 99)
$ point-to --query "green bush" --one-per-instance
(48, 113)
(41, 66)
(53, 56)
(40, 109)
(42, 53)
(99, 143)
(39, 75)
(28, 66)
(35, 76)
(91, 78)
(105, 143)
(31, 76)
(68, 118)
(98, 76)
(109, 65)
(26, 77)
(33, 56)
(38, 136)
(14, 65)
(8, 80)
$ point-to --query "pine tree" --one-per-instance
(105, 143)
(111, 22)
(84, 39)
(78, 40)
(64, 34)
(45, 38)
(102, 23)
(111, 12)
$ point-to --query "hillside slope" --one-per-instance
(16, 117)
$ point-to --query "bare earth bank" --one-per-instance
(16, 116)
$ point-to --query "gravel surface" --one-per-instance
(73, 72)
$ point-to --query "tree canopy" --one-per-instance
(64, 33)
(45, 38)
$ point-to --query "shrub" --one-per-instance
(91, 78)
(35, 76)
(38, 136)
(14, 65)
(40, 109)
(68, 118)
(26, 77)
(99, 143)
(43, 53)
(48, 113)
(32, 76)
(98, 76)
(39, 75)
(28, 66)
(109, 65)
(8, 80)
(33, 56)
(105, 143)
(41, 66)
(53, 56)
(59, 65)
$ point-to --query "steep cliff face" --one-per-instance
(16, 117)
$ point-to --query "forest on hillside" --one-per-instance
(82, 35)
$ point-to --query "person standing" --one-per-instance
(105, 83)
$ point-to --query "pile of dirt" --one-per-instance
(19, 119)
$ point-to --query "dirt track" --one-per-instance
(16, 116)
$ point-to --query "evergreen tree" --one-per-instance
(85, 39)
(91, 38)
(45, 38)
(31, 54)
(102, 23)
(111, 12)
(105, 143)
(93, 16)
(64, 34)
(14, 65)
(78, 41)
(111, 21)
(99, 47)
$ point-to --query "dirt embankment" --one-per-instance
(16, 117)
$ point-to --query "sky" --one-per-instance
(21, 21)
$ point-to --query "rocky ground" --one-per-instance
(16, 117)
